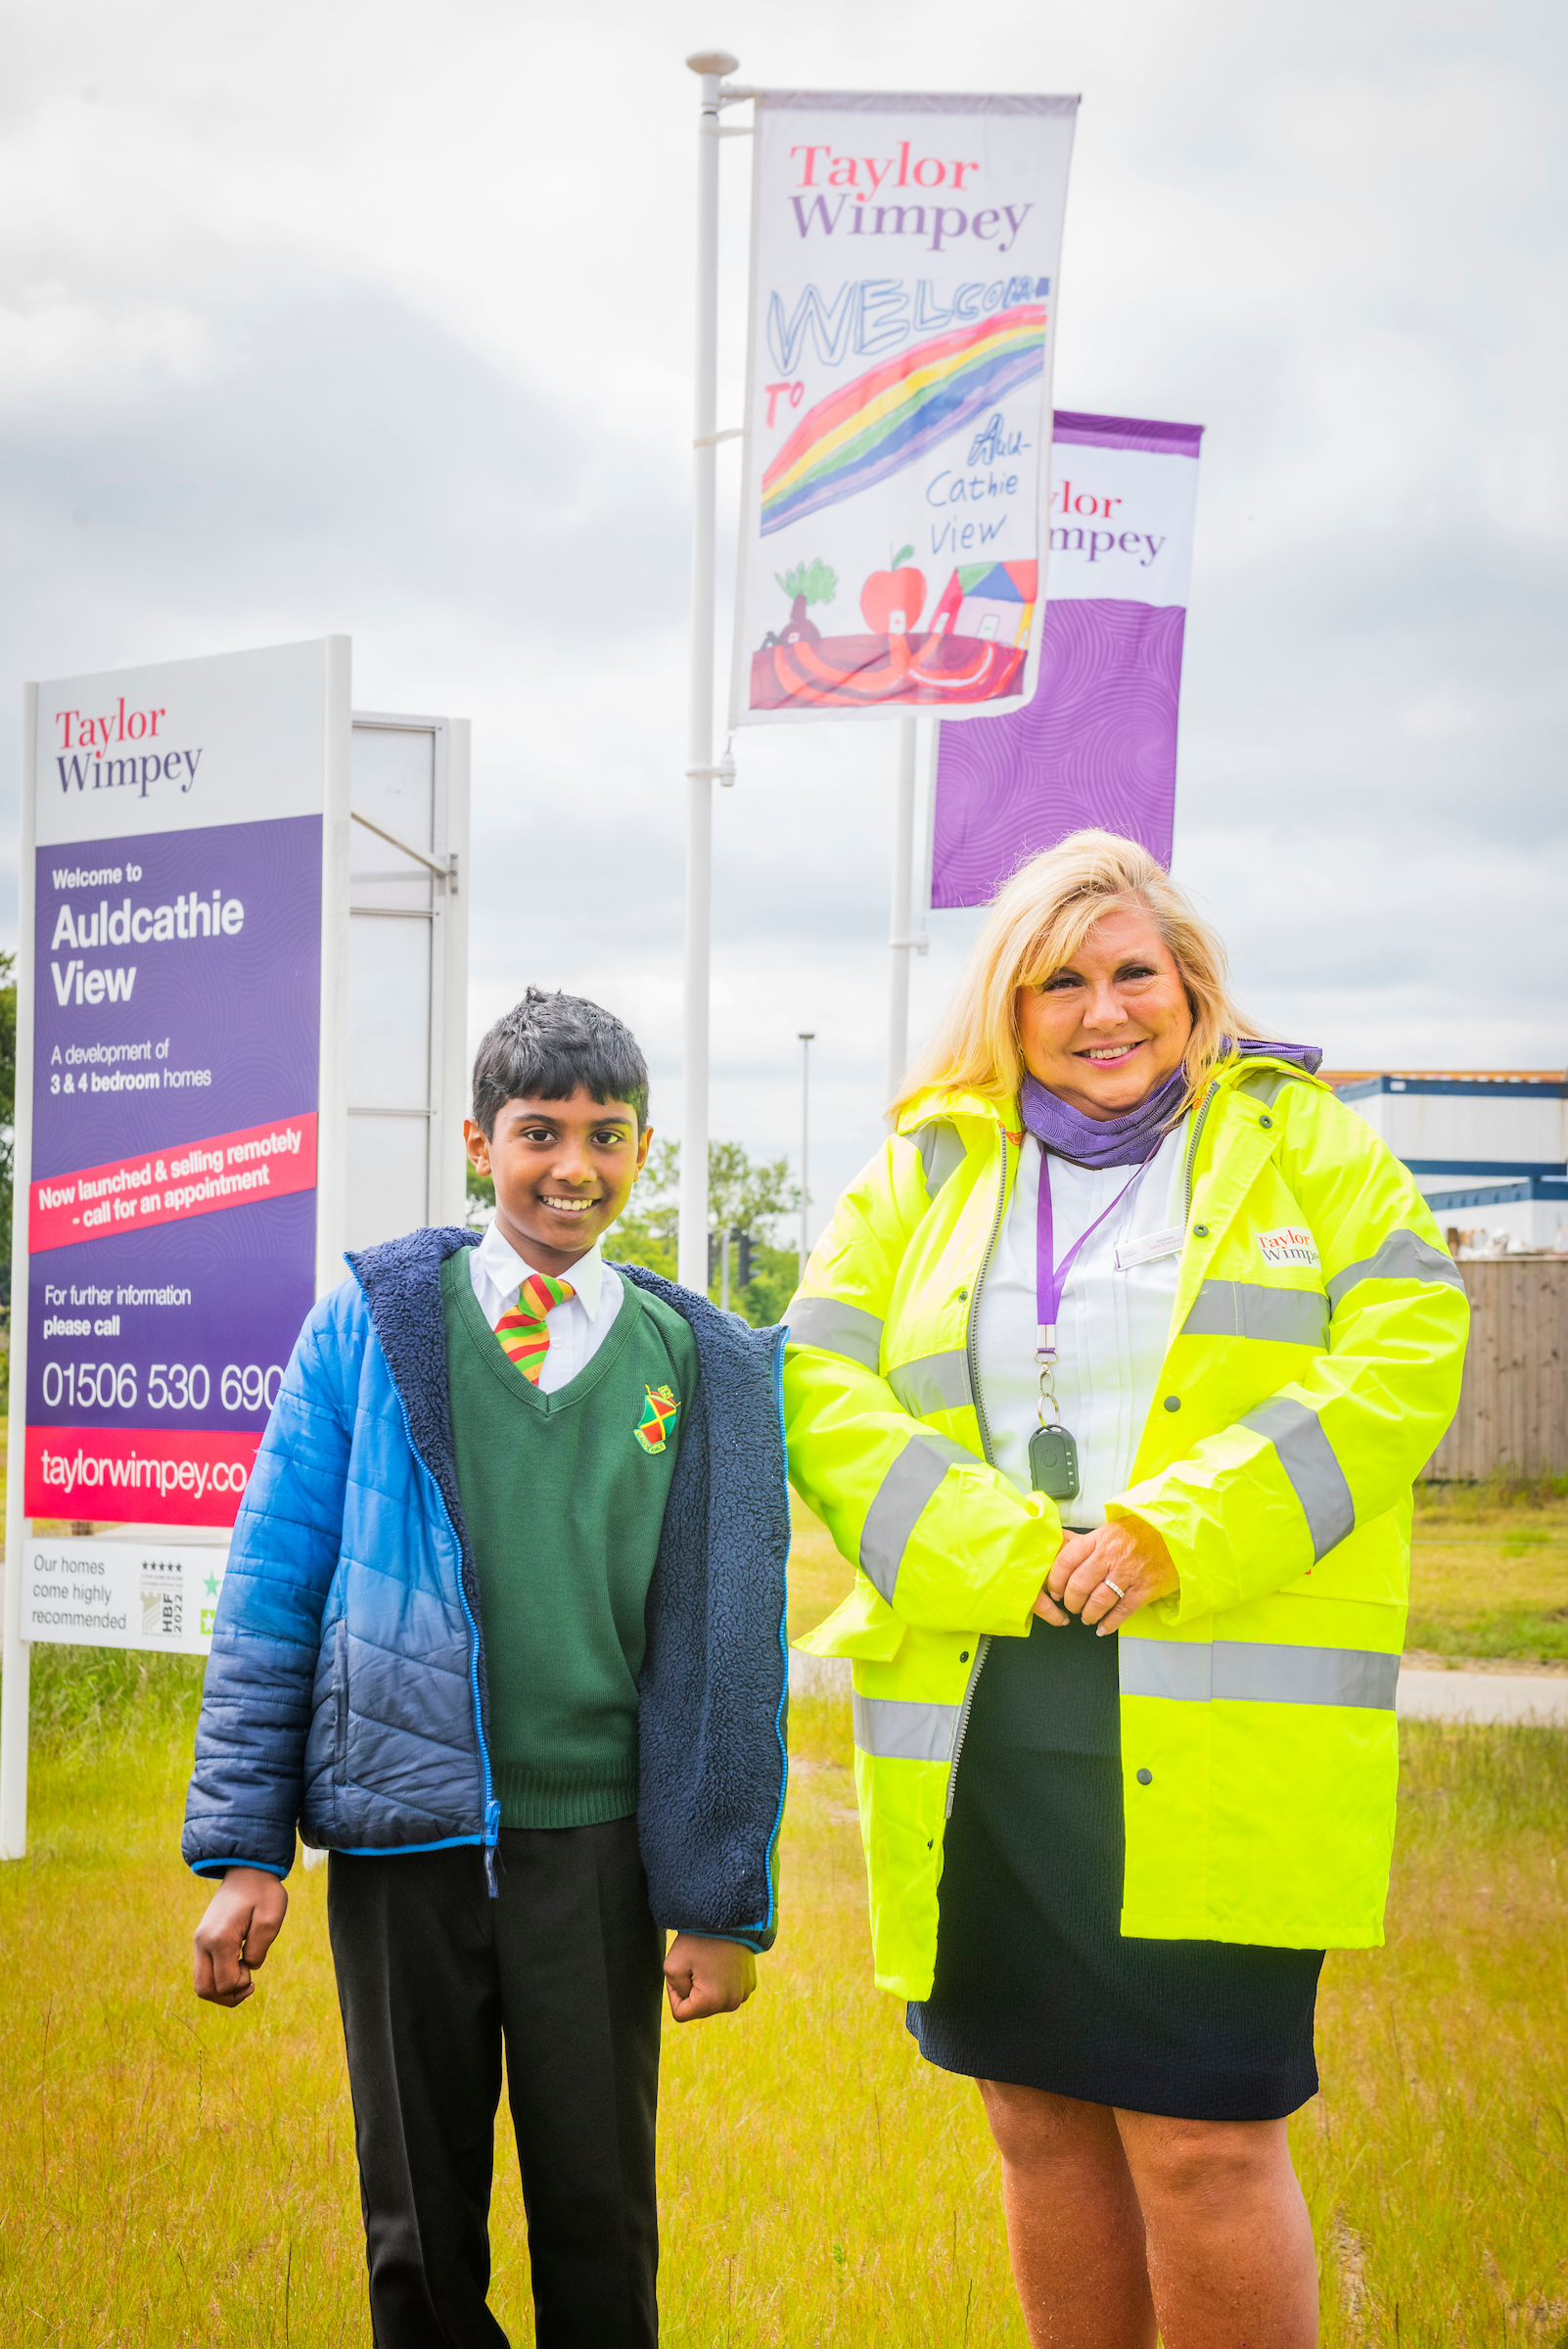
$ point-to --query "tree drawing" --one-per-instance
(817, 581)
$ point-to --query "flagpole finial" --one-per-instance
(713, 60)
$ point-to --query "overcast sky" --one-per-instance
(376, 319)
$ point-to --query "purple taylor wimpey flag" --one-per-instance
(1097, 741)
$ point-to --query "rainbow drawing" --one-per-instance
(891, 414)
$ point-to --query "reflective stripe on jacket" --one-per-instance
(1297, 1401)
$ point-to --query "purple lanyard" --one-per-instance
(1051, 1277)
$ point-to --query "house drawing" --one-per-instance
(992, 601)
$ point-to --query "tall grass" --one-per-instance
(170, 2174)
(1505, 1487)
(1488, 1570)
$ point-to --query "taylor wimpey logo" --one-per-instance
(851, 188)
(1099, 533)
(86, 740)
(1290, 1244)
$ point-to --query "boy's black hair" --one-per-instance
(548, 1045)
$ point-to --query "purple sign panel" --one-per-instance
(1096, 745)
(176, 1043)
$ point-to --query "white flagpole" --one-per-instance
(692, 1252)
(902, 938)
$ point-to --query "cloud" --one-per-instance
(378, 319)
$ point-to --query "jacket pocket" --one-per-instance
(339, 1699)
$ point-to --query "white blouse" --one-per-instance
(1113, 1323)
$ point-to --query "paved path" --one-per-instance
(1423, 1694)
(1537, 1696)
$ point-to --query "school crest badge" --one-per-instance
(652, 1430)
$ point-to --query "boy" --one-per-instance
(501, 1628)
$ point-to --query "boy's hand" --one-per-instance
(707, 1976)
(241, 1924)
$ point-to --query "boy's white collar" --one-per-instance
(509, 1271)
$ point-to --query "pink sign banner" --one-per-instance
(1096, 743)
(189, 1178)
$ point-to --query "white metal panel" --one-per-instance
(388, 1013)
(388, 1177)
(409, 987)
(1504, 1123)
(395, 783)
(449, 1082)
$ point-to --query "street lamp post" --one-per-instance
(806, 1035)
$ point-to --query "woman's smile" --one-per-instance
(1111, 1056)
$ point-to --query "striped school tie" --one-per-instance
(522, 1330)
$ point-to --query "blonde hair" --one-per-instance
(1038, 921)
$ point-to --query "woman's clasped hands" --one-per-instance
(1107, 1575)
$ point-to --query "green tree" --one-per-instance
(480, 1197)
(647, 1232)
(744, 1194)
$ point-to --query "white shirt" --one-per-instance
(578, 1329)
(1112, 1325)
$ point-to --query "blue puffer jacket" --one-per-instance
(345, 1690)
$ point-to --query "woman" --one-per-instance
(1112, 1375)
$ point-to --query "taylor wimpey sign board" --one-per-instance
(905, 255)
(176, 1035)
(122, 1594)
(1097, 741)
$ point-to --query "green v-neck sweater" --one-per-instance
(563, 1501)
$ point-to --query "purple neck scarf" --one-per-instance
(1126, 1142)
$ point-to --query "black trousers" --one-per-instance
(433, 1977)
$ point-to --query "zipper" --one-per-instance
(340, 1724)
(1199, 1122)
(983, 1643)
(492, 1809)
(974, 1301)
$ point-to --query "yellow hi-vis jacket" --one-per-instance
(1313, 1363)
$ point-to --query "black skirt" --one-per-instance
(1035, 1984)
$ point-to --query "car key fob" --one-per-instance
(1053, 1462)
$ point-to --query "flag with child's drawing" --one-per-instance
(904, 259)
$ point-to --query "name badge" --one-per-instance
(1143, 1251)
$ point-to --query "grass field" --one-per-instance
(1488, 1571)
(170, 2174)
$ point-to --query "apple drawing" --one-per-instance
(892, 601)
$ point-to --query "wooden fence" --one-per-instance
(1513, 1404)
